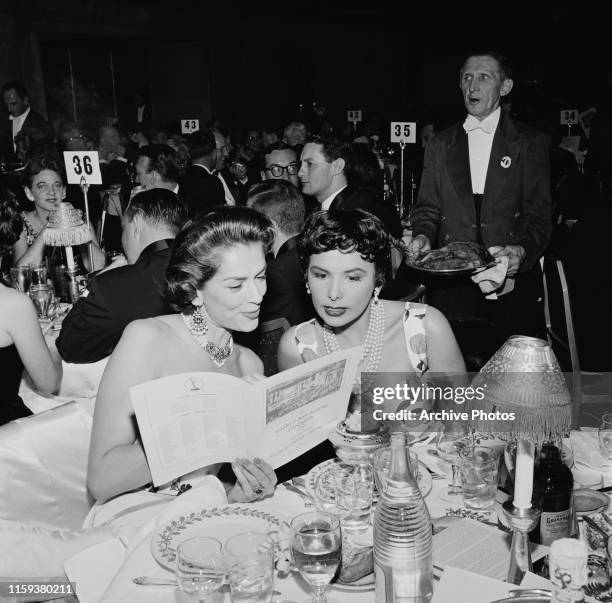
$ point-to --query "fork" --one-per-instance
(150, 581)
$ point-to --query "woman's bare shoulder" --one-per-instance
(151, 328)
(248, 361)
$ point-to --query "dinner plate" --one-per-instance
(424, 479)
(220, 523)
(487, 261)
(363, 584)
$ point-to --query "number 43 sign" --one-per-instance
(82, 165)
(403, 131)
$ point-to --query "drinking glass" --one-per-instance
(200, 567)
(605, 437)
(21, 277)
(362, 477)
(250, 567)
(42, 297)
(479, 472)
(316, 545)
(38, 275)
(449, 445)
(334, 490)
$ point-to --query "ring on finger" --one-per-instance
(258, 491)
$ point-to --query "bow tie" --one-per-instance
(471, 123)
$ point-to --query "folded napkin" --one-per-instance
(137, 559)
(492, 281)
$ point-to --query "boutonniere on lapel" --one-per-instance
(505, 161)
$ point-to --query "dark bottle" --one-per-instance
(552, 488)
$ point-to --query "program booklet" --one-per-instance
(191, 420)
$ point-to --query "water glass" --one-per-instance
(21, 277)
(250, 567)
(39, 275)
(316, 546)
(605, 437)
(450, 445)
(334, 490)
(200, 567)
(42, 297)
(362, 481)
(479, 469)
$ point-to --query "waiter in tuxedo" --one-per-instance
(22, 120)
(487, 180)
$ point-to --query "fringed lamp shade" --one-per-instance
(66, 227)
(523, 377)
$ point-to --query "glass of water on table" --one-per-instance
(479, 468)
(200, 568)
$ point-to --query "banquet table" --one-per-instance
(138, 560)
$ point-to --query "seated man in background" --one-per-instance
(286, 295)
(118, 296)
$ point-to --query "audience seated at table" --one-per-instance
(216, 281)
(120, 295)
(45, 186)
(22, 344)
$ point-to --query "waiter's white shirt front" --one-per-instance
(480, 141)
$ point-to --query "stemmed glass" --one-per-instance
(42, 297)
(604, 434)
(200, 567)
(316, 545)
(450, 445)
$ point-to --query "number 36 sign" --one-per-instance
(82, 165)
(403, 131)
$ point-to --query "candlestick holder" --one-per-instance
(522, 521)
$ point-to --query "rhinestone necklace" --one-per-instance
(373, 343)
(197, 326)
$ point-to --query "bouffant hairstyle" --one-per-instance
(11, 223)
(347, 231)
(198, 247)
(40, 163)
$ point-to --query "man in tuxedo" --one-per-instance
(325, 164)
(487, 181)
(22, 120)
(117, 296)
(286, 296)
(158, 166)
(201, 188)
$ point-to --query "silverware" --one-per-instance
(149, 581)
(305, 496)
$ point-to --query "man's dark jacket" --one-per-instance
(201, 190)
(94, 326)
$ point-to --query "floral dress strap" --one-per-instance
(30, 231)
(416, 338)
(306, 340)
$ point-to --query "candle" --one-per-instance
(523, 477)
(69, 258)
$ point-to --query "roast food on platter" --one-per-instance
(456, 258)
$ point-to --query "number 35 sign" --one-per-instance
(403, 131)
(82, 165)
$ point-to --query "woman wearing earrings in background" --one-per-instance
(216, 280)
(346, 259)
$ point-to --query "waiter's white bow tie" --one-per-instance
(471, 123)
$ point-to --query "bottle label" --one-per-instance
(399, 492)
(554, 525)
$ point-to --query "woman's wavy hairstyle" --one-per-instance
(40, 163)
(347, 231)
(11, 223)
(197, 249)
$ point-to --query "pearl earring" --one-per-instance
(307, 289)
(376, 293)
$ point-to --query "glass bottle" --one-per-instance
(553, 486)
(403, 565)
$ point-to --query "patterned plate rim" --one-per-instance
(161, 544)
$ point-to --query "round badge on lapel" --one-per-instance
(505, 161)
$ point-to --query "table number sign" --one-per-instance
(403, 132)
(353, 116)
(569, 117)
(82, 165)
(189, 126)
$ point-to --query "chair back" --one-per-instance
(269, 333)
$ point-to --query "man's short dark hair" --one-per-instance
(17, 86)
(159, 207)
(280, 201)
(333, 148)
(505, 67)
(279, 145)
(201, 144)
(164, 160)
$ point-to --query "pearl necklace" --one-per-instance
(197, 326)
(373, 344)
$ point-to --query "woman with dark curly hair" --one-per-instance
(216, 280)
(346, 259)
(22, 344)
